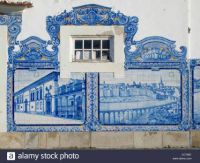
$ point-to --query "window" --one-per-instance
(92, 49)
(32, 96)
(41, 93)
(37, 95)
(20, 99)
(41, 106)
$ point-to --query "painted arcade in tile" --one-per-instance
(142, 97)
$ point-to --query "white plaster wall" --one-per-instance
(168, 18)
(3, 81)
(194, 24)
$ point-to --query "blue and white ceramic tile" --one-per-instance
(41, 97)
(153, 95)
(196, 96)
(195, 93)
(141, 97)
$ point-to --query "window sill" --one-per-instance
(92, 61)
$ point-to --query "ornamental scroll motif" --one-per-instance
(93, 15)
(156, 49)
(34, 53)
(14, 28)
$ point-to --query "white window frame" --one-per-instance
(93, 38)
(67, 66)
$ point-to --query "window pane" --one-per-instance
(87, 54)
(88, 44)
(106, 44)
(105, 55)
(78, 44)
(96, 44)
(96, 55)
(78, 55)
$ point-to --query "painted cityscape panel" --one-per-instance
(143, 97)
(196, 97)
(42, 97)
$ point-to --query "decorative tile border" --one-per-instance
(92, 14)
(156, 49)
(14, 28)
(183, 125)
(194, 105)
(33, 53)
(12, 126)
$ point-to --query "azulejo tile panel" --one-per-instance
(194, 90)
(120, 107)
(42, 98)
(196, 94)
(141, 97)
(154, 94)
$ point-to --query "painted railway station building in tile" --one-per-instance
(45, 96)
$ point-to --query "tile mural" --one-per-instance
(141, 97)
(153, 94)
(196, 94)
(41, 97)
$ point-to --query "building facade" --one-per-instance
(154, 90)
(46, 97)
(71, 100)
(95, 39)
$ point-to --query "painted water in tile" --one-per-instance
(41, 97)
(141, 97)
(196, 98)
